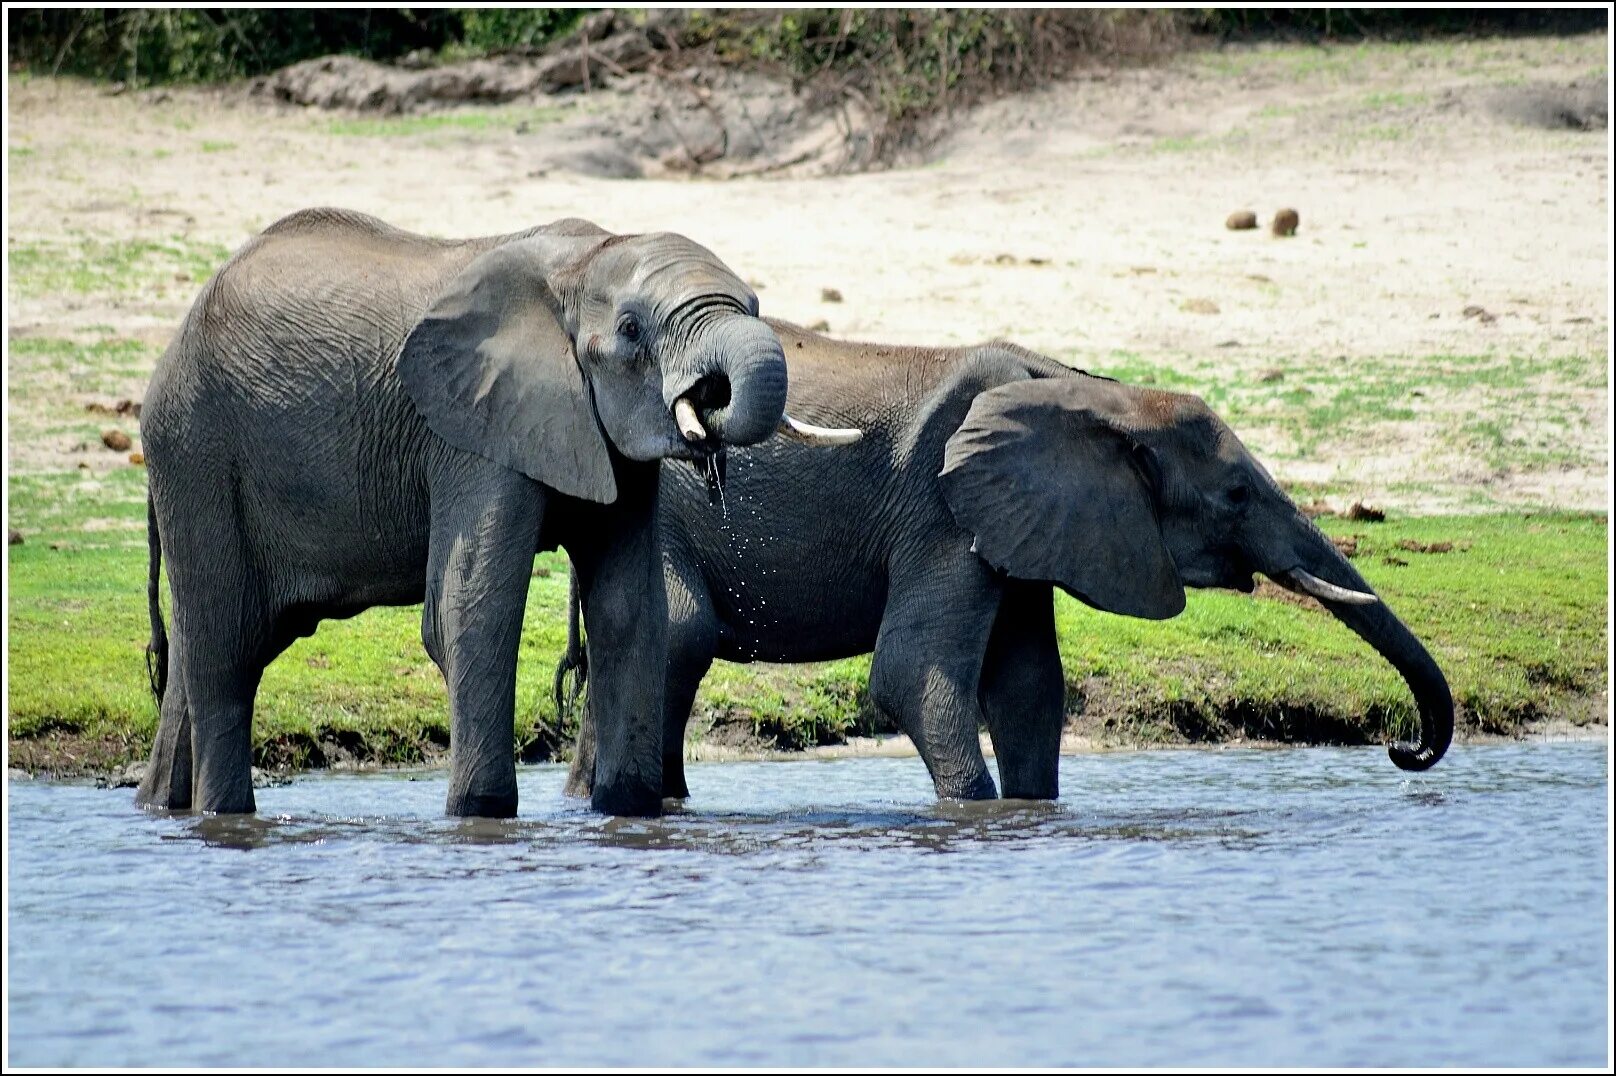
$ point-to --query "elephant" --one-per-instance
(987, 477)
(353, 415)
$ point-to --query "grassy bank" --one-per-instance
(1513, 606)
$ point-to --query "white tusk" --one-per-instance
(690, 427)
(1329, 592)
(817, 435)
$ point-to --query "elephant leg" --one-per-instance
(621, 589)
(928, 657)
(485, 527)
(167, 782)
(692, 643)
(1023, 692)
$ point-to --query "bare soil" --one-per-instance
(1434, 337)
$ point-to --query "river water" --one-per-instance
(1240, 907)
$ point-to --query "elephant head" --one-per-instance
(1124, 496)
(548, 346)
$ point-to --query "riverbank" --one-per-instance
(1432, 341)
(1511, 605)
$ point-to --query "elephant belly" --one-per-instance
(804, 616)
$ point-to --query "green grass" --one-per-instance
(1507, 409)
(1515, 614)
(89, 266)
(471, 121)
(78, 628)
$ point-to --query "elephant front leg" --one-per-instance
(484, 532)
(625, 612)
(1023, 693)
(928, 656)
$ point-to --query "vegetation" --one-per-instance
(150, 45)
(1229, 666)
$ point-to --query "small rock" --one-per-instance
(1243, 221)
(1368, 513)
(540, 572)
(127, 777)
(1480, 313)
(1397, 562)
(1274, 374)
(1285, 222)
(1347, 546)
(1227, 343)
(270, 778)
(128, 407)
(1199, 306)
(1005, 259)
(1317, 509)
(13, 537)
(116, 440)
(829, 295)
(820, 326)
(138, 459)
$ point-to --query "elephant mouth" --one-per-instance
(694, 411)
(694, 414)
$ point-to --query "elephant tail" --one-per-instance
(575, 662)
(157, 648)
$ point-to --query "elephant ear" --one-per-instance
(1051, 488)
(492, 370)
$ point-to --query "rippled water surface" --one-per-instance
(1302, 907)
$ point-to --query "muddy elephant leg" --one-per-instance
(928, 657)
(619, 560)
(167, 782)
(1023, 692)
(485, 526)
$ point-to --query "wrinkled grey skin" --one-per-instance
(353, 415)
(986, 477)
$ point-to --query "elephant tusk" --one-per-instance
(1329, 592)
(690, 427)
(817, 435)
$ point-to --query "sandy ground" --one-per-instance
(1086, 221)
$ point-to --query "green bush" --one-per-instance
(143, 46)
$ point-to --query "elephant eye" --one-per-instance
(629, 328)
(1239, 495)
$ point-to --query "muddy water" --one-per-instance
(1306, 907)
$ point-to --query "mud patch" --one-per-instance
(1577, 106)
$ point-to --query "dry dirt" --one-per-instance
(1436, 336)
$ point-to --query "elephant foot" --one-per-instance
(630, 799)
(980, 787)
(162, 795)
(482, 805)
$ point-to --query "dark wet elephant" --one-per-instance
(353, 415)
(987, 476)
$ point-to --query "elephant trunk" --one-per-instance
(1343, 592)
(740, 395)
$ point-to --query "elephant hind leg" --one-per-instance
(217, 649)
(1023, 692)
(167, 782)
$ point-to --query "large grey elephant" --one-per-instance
(353, 415)
(987, 477)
